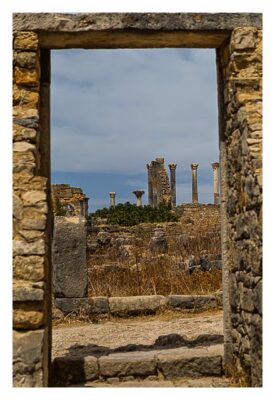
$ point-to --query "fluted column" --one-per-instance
(150, 184)
(139, 194)
(215, 167)
(172, 168)
(112, 199)
(194, 168)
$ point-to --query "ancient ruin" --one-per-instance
(71, 199)
(237, 39)
(158, 183)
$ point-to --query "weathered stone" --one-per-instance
(32, 197)
(191, 302)
(17, 207)
(73, 305)
(21, 134)
(99, 305)
(23, 319)
(136, 304)
(74, 369)
(158, 243)
(23, 147)
(70, 275)
(21, 248)
(27, 358)
(26, 41)
(28, 268)
(30, 236)
(33, 219)
(140, 363)
(28, 97)
(191, 362)
(257, 297)
(27, 291)
(243, 38)
(26, 77)
(25, 59)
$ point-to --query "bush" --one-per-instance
(129, 214)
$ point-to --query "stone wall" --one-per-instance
(240, 70)
(159, 190)
(31, 218)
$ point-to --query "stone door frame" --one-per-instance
(234, 36)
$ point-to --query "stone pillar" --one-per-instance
(194, 168)
(112, 199)
(150, 184)
(215, 167)
(172, 168)
(139, 194)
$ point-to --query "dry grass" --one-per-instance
(155, 279)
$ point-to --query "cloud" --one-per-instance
(115, 110)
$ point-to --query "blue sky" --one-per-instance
(112, 111)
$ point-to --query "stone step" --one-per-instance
(167, 364)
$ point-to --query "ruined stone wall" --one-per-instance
(112, 247)
(240, 72)
(161, 192)
(72, 199)
(31, 279)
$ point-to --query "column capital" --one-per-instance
(215, 165)
(138, 193)
(149, 166)
(194, 166)
(172, 166)
(112, 193)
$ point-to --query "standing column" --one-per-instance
(172, 168)
(215, 167)
(150, 185)
(194, 168)
(112, 199)
(139, 194)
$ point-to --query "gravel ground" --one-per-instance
(140, 330)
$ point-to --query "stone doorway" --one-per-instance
(237, 40)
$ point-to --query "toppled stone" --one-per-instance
(158, 243)
(74, 369)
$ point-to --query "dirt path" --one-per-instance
(140, 330)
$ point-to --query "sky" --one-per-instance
(113, 111)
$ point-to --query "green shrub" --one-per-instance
(129, 214)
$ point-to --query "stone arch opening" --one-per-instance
(237, 40)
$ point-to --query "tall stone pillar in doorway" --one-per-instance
(150, 184)
(194, 168)
(215, 167)
(139, 194)
(172, 168)
(112, 199)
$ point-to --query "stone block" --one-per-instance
(21, 248)
(136, 304)
(139, 363)
(31, 236)
(25, 41)
(243, 39)
(191, 362)
(192, 302)
(32, 197)
(99, 305)
(17, 207)
(25, 59)
(23, 147)
(24, 291)
(29, 268)
(27, 358)
(25, 319)
(26, 77)
(69, 369)
(20, 133)
(70, 274)
(33, 219)
(72, 305)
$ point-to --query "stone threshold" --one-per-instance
(157, 364)
(136, 305)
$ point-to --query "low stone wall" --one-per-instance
(135, 305)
